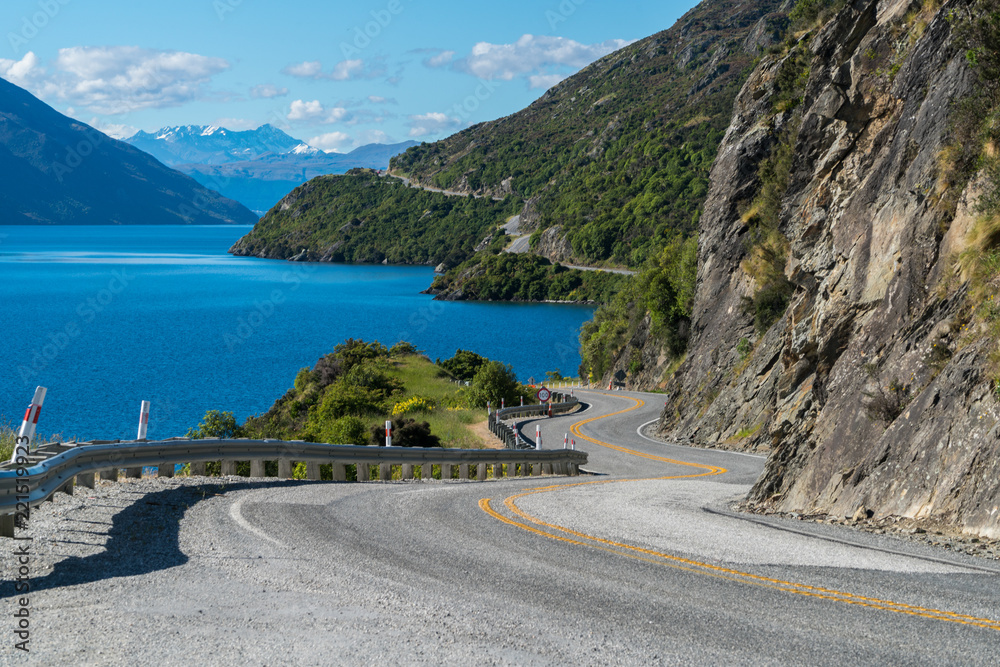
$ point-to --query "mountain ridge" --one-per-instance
(61, 171)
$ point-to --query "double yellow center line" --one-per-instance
(537, 526)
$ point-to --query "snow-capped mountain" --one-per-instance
(197, 144)
(255, 167)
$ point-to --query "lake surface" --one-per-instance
(106, 317)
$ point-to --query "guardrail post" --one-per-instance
(197, 469)
(385, 471)
(481, 472)
(339, 471)
(312, 470)
(406, 472)
(87, 479)
(285, 468)
(525, 469)
(165, 470)
(67, 488)
(574, 470)
(426, 470)
(257, 468)
(445, 471)
(536, 469)
(364, 472)
(110, 475)
(463, 471)
(227, 467)
(546, 468)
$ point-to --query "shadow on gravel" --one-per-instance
(142, 537)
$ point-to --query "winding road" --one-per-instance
(639, 563)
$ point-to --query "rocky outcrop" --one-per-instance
(867, 392)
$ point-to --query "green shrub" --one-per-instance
(405, 433)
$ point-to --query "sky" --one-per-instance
(335, 74)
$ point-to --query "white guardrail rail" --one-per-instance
(560, 404)
(58, 466)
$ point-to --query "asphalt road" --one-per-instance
(637, 563)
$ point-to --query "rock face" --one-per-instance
(866, 392)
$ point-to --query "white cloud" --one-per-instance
(345, 70)
(308, 70)
(266, 91)
(432, 123)
(533, 55)
(314, 111)
(378, 99)
(21, 72)
(235, 123)
(545, 81)
(116, 130)
(440, 60)
(332, 142)
(118, 79)
(373, 137)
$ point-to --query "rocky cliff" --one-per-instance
(872, 391)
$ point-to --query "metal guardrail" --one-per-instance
(561, 403)
(56, 466)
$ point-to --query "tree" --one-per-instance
(216, 424)
(464, 364)
(494, 381)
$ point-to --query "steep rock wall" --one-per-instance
(865, 393)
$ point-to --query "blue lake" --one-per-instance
(106, 317)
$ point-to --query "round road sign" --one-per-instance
(543, 395)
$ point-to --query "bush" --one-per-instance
(347, 430)
(414, 404)
(406, 433)
(403, 349)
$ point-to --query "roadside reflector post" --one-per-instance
(566, 441)
(573, 443)
(388, 433)
(143, 420)
(550, 409)
(503, 402)
(29, 424)
(538, 436)
(522, 401)
(136, 473)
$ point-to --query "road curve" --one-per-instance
(639, 562)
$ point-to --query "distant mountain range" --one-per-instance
(256, 167)
(57, 170)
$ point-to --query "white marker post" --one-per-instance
(538, 436)
(29, 424)
(143, 420)
(503, 402)
(522, 401)
(573, 443)
(566, 441)
(388, 433)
